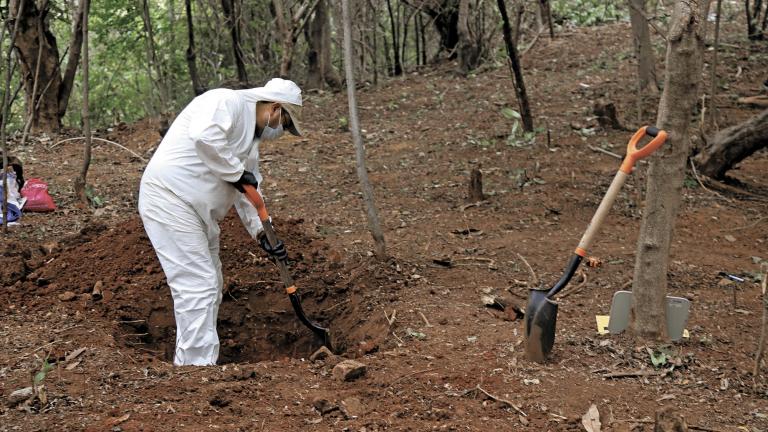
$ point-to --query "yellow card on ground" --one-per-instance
(602, 324)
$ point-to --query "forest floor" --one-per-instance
(417, 320)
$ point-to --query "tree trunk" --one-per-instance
(4, 113)
(685, 52)
(398, 66)
(468, 47)
(641, 36)
(50, 105)
(423, 37)
(287, 39)
(231, 15)
(517, 73)
(446, 18)
(80, 181)
(712, 123)
(732, 145)
(362, 172)
(753, 20)
(153, 63)
(197, 86)
(546, 16)
(320, 70)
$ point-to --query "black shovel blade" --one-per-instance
(322, 333)
(540, 322)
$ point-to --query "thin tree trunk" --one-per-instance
(764, 325)
(732, 145)
(286, 36)
(230, 13)
(197, 86)
(75, 48)
(416, 37)
(81, 181)
(646, 63)
(362, 172)
(398, 66)
(467, 48)
(330, 75)
(5, 107)
(153, 66)
(667, 168)
(375, 55)
(546, 15)
(713, 73)
(517, 73)
(423, 36)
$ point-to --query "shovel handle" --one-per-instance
(634, 154)
(255, 198)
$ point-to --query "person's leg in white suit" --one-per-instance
(190, 260)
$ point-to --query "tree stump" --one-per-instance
(476, 186)
(669, 420)
(607, 116)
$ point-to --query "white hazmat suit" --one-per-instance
(186, 190)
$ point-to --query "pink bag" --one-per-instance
(38, 199)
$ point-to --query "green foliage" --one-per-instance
(42, 373)
(588, 12)
(517, 136)
(95, 200)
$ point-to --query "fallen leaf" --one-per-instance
(591, 419)
(730, 238)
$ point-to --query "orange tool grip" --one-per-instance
(634, 154)
(255, 198)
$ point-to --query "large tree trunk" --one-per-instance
(514, 65)
(732, 145)
(197, 85)
(641, 35)
(320, 70)
(362, 172)
(685, 52)
(468, 47)
(446, 18)
(50, 100)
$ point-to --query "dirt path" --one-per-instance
(424, 133)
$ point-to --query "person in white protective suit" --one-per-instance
(210, 151)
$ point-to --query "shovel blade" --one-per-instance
(540, 322)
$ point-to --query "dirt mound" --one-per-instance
(256, 320)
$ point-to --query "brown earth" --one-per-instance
(424, 134)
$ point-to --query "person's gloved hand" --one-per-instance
(277, 251)
(246, 179)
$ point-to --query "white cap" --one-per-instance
(284, 92)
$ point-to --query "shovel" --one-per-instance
(255, 198)
(541, 313)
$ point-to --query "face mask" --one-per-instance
(270, 133)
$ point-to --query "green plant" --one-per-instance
(587, 12)
(517, 136)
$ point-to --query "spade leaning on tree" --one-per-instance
(209, 153)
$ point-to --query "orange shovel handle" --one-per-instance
(255, 198)
(634, 154)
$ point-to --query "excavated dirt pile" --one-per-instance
(113, 274)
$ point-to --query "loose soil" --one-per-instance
(417, 319)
